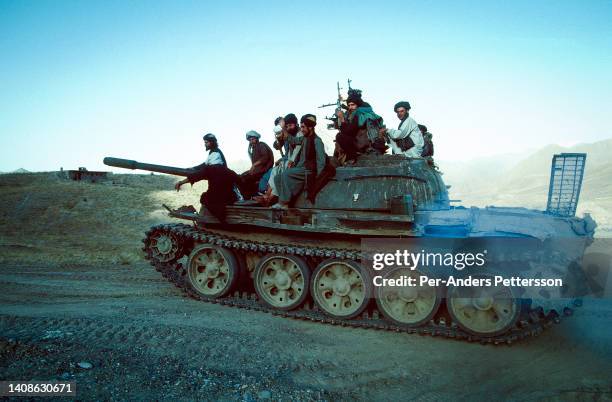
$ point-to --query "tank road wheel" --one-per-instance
(281, 281)
(212, 271)
(484, 311)
(340, 288)
(163, 246)
(408, 306)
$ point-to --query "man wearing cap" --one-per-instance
(407, 139)
(308, 164)
(262, 160)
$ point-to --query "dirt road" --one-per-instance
(146, 341)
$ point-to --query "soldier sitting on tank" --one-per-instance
(215, 156)
(407, 139)
(428, 146)
(290, 139)
(262, 160)
(309, 163)
(285, 129)
(279, 127)
(222, 182)
(358, 131)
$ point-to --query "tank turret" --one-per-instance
(374, 183)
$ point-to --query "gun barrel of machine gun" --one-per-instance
(342, 106)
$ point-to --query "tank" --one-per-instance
(312, 262)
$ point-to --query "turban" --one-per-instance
(252, 134)
(210, 137)
(403, 104)
(354, 96)
(309, 120)
(290, 118)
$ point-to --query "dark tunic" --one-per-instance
(358, 132)
(249, 180)
(262, 153)
(347, 135)
(220, 192)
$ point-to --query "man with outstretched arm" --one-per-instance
(221, 180)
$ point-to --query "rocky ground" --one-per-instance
(145, 341)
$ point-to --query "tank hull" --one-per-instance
(250, 245)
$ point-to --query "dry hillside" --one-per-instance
(47, 218)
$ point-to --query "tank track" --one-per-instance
(532, 322)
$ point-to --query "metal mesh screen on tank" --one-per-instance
(565, 182)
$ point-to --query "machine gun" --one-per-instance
(339, 106)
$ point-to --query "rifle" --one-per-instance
(339, 106)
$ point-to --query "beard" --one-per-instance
(307, 131)
(293, 131)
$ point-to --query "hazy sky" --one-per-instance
(80, 80)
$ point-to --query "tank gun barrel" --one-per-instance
(131, 164)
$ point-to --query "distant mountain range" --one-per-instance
(20, 170)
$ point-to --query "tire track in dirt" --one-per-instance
(192, 345)
(187, 341)
(73, 278)
(34, 283)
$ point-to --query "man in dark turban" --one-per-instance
(307, 165)
(358, 131)
(289, 140)
(215, 156)
(407, 139)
